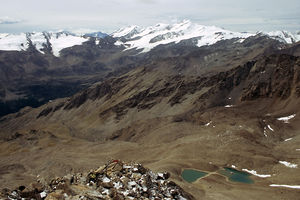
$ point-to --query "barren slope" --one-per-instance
(169, 121)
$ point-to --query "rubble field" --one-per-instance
(115, 180)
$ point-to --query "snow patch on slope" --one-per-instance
(270, 128)
(253, 172)
(287, 186)
(207, 124)
(229, 106)
(287, 118)
(288, 164)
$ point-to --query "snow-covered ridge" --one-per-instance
(11, 42)
(284, 36)
(126, 31)
(134, 37)
(58, 40)
(152, 36)
(147, 38)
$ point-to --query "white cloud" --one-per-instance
(238, 15)
(8, 20)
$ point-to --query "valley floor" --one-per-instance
(220, 137)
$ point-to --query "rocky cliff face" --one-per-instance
(275, 76)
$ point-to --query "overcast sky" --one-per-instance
(108, 15)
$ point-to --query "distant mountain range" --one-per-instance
(134, 37)
(41, 66)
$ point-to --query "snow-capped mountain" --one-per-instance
(56, 41)
(284, 36)
(150, 37)
(126, 32)
(134, 37)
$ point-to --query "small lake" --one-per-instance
(236, 176)
(191, 175)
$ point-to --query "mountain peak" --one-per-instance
(126, 31)
(152, 36)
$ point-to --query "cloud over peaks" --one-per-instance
(8, 20)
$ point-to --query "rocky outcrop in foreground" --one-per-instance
(116, 180)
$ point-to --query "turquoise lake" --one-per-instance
(191, 175)
(236, 176)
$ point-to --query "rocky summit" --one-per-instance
(116, 180)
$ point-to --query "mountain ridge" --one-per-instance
(134, 37)
(145, 38)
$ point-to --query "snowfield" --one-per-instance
(64, 41)
(13, 42)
